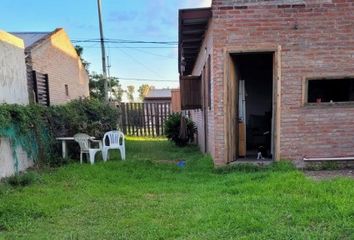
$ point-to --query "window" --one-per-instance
(330, 90)
(66, 90)
(191, 94)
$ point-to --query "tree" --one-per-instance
(97, 87)
(144, 90)
(130, 93)
(80, 51)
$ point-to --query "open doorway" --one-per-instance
(255, 104)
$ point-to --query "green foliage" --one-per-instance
(25, 127)
(84, 115)
(173, 129)
(22, 179)
(96, 84)
(35, 127)
(80, 52)
(149, 197)
(144, 90)
(130, 93)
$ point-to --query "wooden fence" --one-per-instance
(144, 119)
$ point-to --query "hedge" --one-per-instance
(35, 127)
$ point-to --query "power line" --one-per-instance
(147, 79)
(142, 64)
(153, 54)
(126, 41)
(92, 46)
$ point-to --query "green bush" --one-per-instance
(22, 180)
(173, 129)
(35, 127)
(88, 116)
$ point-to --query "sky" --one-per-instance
(146, 20)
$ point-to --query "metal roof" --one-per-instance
(31, 37)
(193, 24)
(158, 93)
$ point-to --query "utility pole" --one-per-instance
(104, 68)
(109, 75)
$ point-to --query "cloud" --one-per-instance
(153, 18)
(205, 3)
(198, 3)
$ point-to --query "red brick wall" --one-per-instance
(316, 39)
(57, 58)
(198, 115)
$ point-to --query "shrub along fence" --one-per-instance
(34, 127)
(144, 119)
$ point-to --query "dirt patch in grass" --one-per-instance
(329, 174)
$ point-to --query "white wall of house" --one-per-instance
(13, 80)
(13, 89)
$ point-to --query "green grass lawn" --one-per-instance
(146, 197)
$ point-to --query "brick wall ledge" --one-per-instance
(328, 104)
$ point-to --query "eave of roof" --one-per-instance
(193, 24)
(42, 37)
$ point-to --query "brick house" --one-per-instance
(55, 72)
(158, 96)
(275, 74)
(171, 96)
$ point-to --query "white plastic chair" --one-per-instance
(85, 147)
(115, 140)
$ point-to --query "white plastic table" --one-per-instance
(64, 147)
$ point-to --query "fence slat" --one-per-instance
(157, 115)
(144, 119)
(122, 107)
(141, 119)
(146, 110)
(131, 119)
(152, 117)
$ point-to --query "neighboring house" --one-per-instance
(271, 74)
(13, 89)
(176, 100)
(158, 96)
(55, 71)
(171, 96)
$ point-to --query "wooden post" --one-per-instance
(230, 108)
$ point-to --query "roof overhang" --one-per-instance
(193, 24)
